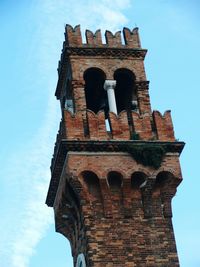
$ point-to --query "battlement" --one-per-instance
(155, 128)
(163, 125)
(74, 127)
(93, 39)
(73, 38)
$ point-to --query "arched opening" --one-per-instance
(96, 98)
(137, 179)
(115, 181)
(67, 100)
(162, 179)
(92, 182)
(164, 189)
(125, 91)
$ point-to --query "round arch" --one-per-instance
(137, 179)
(95, 94)
(163, 178)
(91, 181)
(125, 91)
(115, 179)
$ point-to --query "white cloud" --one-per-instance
(27, 174)
(90, 14)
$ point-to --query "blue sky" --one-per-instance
(31, 40)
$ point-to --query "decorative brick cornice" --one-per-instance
(118, 146)
(106, 52)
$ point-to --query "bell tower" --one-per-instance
(115, 167)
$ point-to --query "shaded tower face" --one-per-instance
(115, 167)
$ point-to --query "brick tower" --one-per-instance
(115, 167)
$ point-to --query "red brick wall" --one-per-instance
(73, 66)
(162, 126)
(130, 226)
(125, 221)
(73, 37)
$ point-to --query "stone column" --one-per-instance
(109, 86)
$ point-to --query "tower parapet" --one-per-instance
(93, 39)
(160, 129)
(132, 38)
(73, 37)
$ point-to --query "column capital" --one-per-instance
(109, 84)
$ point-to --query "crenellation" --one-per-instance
(97, 126)
(119, 126)
(131, 38)
(93, 39)
(74, 127)
(113, 40)
(163, 125)
(73, 36)
(142, 125)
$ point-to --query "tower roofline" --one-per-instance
(115, 46)
(73, 37)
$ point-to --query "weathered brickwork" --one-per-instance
(74, 128)
(113, 175)
(126, 225)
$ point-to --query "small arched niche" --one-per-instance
(114, 181)
(96, 98)
(162, 179)
(164, 189)
(125, 91)
(91, 181)
(137, 179)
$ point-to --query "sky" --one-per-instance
(30, 46)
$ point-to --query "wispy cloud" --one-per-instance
(27, 173)
(27, 217)
(35, 217)
(90, 14)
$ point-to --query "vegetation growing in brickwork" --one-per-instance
(148, 155)
(135, 136)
